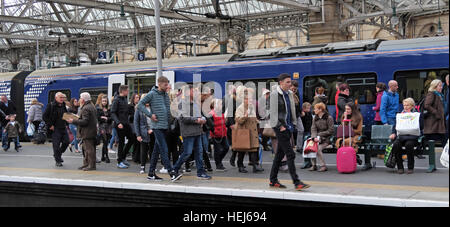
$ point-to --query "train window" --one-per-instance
(415, 83)
(95, 92)
(52, 93)
(362, 86)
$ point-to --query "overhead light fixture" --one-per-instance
(440, 31)
(122, 12)
(394, 18)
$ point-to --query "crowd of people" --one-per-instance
(172, 126)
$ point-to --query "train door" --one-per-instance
(140, 83)
(114, 82)
(171, 76)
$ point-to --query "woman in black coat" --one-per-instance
(104, 126)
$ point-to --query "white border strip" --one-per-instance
(298, 196)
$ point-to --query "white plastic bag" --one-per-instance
(30, 129)
(408, 124)
(310, 154)
(444, 156)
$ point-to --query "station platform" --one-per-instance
(30, 178)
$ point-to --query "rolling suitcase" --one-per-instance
(346, 156)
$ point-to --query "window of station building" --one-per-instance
(415, 83)
(95, 92)
(362, 87)
(51, 95)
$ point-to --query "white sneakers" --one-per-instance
(163, 170)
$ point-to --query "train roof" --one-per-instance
(413, 43)
(131, 65)
(249, 55)
(7, 76)
(341, 47)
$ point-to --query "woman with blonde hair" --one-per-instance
(407, 141)
(434, 119)
(35, 114)
(245, 118)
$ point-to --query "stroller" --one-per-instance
(41, 135)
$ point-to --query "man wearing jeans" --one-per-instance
(160, 115)
(119, 114)
(191, 127)
(284, 126)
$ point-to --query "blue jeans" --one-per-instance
(205, 142)
(160, 148)
(113, 138)
(73, 129)
(5, 140)
(190, 144)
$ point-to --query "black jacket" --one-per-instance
(282, 109)
(10, 109)
(307, 122)
(120, 111)
(342, 101)
(53, 115)
(7, 110)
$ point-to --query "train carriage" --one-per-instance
(359, 63)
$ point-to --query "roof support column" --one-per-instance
(223, 37)
(327, 31)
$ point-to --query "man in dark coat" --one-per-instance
(88, 130)
(53, 119)
(8, 108)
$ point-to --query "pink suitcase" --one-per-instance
(346, 157)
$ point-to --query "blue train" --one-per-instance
(361, 64)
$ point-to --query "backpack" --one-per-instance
(421, 107)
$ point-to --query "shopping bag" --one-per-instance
(408, 124)
(389, 157)
(240, 139)
(310, 149)
(30, 129)
(444, 156)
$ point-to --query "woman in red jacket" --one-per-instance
(219, 134)
(381, 87)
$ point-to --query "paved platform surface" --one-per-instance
(379, 186)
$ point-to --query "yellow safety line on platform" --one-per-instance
(242, 179)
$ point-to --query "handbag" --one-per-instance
(389, 157)
(269, 132)
(71, 136)
(310, 153)
(444, 156)
(342, 133)
(240, 139)
(408, 124)
(311, 146)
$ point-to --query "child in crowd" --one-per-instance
(13, 129)
(307, 119)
